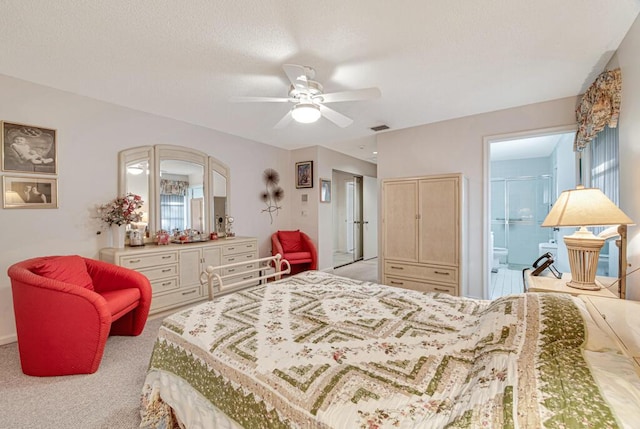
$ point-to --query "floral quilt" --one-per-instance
(317, 350)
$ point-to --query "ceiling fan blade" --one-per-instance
(286, 119)
(260, 99)
(337, 118)
(297, 75)
(355, 95)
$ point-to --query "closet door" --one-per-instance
(439, 220)
(400, 202)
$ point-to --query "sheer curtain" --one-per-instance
(605, 165)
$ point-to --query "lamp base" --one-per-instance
(583, 249)
(584, 285)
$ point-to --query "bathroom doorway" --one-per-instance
(526, 174)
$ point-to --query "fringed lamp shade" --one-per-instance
(584, 207)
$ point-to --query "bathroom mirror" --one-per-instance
(182, 188)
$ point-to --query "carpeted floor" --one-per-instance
(109, 398)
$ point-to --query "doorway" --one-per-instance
(354, 218)
(525, 174)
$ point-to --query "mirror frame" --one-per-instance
(154, 155)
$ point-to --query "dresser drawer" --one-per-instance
(239, 278)
(143, 261)
(420, 286)
(236, 248)
(427, 272)
(239, 268)
(235, 258)
(173, 299)
(163, 285)
(160, 272)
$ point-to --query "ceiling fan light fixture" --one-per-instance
(306, 113)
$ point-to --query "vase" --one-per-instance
(117, 236)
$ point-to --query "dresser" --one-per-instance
(423, 225)
(174, 270)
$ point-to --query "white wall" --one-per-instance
(456, 146)
(329, 160)
(628, 60)
(90, 134)
(312, 217)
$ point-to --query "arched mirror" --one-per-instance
(182, 188)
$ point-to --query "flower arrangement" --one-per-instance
(122, 210)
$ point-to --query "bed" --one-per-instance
(320, 351)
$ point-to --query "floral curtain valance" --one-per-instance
(599, 107)
(173, 187)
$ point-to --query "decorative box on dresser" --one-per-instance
(423, 230)
(174, 270)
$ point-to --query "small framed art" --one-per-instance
(29, 193)
(304, 174)
(325, 190)
(28, 149)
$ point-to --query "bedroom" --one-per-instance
(92, 132)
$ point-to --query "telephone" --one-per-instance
(542, 263)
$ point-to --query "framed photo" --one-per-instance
(325, 190)
(29, 193)
(28, 149)
(304, 174)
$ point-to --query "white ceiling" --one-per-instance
(529, 147)
(432, 59)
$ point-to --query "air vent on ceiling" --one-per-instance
(380, 128)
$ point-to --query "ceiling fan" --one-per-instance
(309, 99)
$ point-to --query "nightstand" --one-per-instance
(548, 283)
(622, 317)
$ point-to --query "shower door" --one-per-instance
(519, 205)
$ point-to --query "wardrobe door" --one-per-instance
(400, 202)
(439, 220)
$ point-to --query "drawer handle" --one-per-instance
(166, 283)
(444, 273)
(166, 270)
(134, 261)
(396, 283)
(396, 268)
(232, 270)
(231, 248)
(231, 259)
(248, 266)
(249, 256)
(439, 289)
(189, 293)
(166, 257)
(247, 277)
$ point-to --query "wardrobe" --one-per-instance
(423, 233)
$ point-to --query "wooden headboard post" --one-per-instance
(622, 261)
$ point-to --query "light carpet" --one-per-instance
(109, 398)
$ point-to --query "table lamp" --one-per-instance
(583, 207)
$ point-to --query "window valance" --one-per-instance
(599, 107)
(173, 187)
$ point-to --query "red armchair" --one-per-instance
(297, 248)
(66, 307)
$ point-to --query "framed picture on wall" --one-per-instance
(304, 174)
(29, 193)
(28, 149)
(325, 190)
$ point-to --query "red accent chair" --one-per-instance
(66, 307)
(297, 248)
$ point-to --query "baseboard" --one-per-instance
(8, 339)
